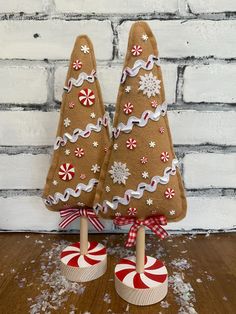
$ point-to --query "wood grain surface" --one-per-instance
(205, 264)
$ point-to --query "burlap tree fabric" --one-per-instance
(82, 137)
(140, 175)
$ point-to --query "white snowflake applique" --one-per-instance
(152, 144)
(119, 172)
(144, 37)
(67, 152)
(149, 84)
(95, 168)
(172, 212)
(55, 182)
(149, 202)
(67, 122)
(145, 174)
(115, 146)
(128, 89)
(95, 144)
(92, 115)
(84, 49)
(107, 188)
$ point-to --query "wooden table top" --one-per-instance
(202, 275)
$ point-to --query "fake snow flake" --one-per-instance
(152, 144)
(77, 65)
(79, 152)
(66, 172)
(136, 50)
(95, 168)
(144, 37)
(55, 182)
(86, 97)
(154, 104)
(92, 115)
(161, 130)
(67, 122)
(82, 176)
(164, 304)
(149, 202)
(95, 144)
(115, 146)
(169, 193)
(119, 172)
(143, 160)
(107, 188)
(71, 105)
(128, 89)
(128, 108)
(131, 143)
(132, 211)
(80, 204)
(117, 214)
(180, 263)
(67, 152)
(149, 84)
(172, 212)
(145, 175)
(84, 49)
(165, 156)
(107, 298)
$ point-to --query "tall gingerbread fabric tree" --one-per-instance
(79, 150)
(140, 183)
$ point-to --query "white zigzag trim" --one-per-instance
(140, 64)
(53, 200)
(61, 141)
(80, 80)
(125, 200)
(141, 122)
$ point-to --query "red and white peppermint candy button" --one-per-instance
(143, 160)
(79, 152)
(66, 172)
(77, 65)
(165, 156)
(128, 108)
(161, 130)
(169, 193)
(136, 50)
(86, 97)
(71, 105)
(132, 211)
(154, 103)
(131, 143)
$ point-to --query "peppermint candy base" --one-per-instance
(82, 268)
(145, 288)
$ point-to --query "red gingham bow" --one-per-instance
(154, 223)
(71, 214)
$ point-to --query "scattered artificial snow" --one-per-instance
(180, 263)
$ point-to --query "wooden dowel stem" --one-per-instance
(83, 235)
(140, 249)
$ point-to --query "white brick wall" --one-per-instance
(197, 46)
(210, 83)
(23, 84)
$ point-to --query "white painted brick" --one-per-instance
(26, 6)
(23, 171)
(188, 38)
(214, 6)
(210, 83)
(198, 127)
(23, 84)
(106, 6)
(29, 213)
(216, 127)
(56, 38)
(19, 127)
(210, 170)
(109, 77)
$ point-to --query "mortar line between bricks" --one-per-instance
(208, 192)
(180, 150)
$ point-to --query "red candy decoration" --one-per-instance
(79, 152)
(66, 172)
(143, 160)
(131, 143)
(128, 108)
(136, 50)
(87, 97)
(165, 156)
(162, 130)
(169, 193)
(77, 65)
(132, 211)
